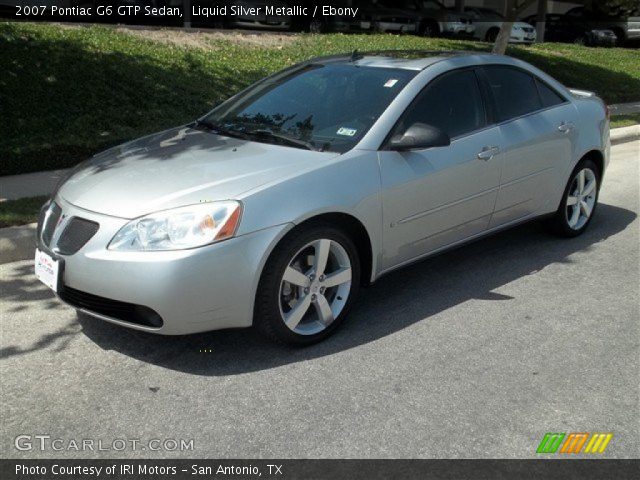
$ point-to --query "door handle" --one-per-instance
(565, 127)
(488, 153)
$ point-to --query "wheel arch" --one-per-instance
(356, 231)
(598, 158)
(555, 199)
(346, 222)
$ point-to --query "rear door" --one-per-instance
(538, 128)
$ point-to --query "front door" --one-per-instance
(438, 196)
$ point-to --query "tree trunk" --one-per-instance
(514, 8)
(500, 47)
(186, 6)
(541, 21)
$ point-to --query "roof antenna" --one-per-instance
(355, 56)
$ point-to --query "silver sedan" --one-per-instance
(277, 206)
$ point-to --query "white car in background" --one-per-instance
(488, 23)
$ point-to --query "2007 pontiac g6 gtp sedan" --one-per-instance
(277, 206)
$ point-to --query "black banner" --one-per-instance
(320, 469)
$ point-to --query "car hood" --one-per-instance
(178, 167)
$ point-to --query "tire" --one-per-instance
(316, 26)
(492, 35)
(296, 312)
(566, 222)
(430, 29)
(621, 36)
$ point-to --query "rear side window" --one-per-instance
(515, 92)
(548, 96)
(452, 103)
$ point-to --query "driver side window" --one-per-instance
(452, 103)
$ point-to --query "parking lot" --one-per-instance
(475, 353)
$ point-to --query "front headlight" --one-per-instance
(180, 228)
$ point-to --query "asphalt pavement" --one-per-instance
(475, 353)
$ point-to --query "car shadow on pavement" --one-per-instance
(395, 302)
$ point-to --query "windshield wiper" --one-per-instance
(214, 127)
(262, 133)
(294, 142)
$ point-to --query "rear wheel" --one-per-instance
(579, 200)
(307, 286)
(492, 35)
(580, 40)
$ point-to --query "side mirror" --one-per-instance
(418, 137)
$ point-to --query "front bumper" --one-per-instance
(388, 26)
(457, 28)
(196, 290)
(522, 38)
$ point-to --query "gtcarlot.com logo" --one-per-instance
(574, 442)
(46, 442)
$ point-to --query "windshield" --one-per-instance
(319, 107)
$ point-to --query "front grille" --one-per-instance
(48, 221)
(75, 235)
(127, 312)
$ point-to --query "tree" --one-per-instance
(514, 9)
(614, 8)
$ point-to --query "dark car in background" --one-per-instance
(559, 28)
(388, 16)
(626, 28)
(591, 27)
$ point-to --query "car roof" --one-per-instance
(403, 59)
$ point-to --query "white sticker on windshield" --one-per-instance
(348, 132)
(390, 83)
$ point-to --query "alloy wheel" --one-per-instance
(581, 198)
(315, 287)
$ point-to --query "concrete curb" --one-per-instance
(17, 243)
(625, 134)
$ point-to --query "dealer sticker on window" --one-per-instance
(347, 132)
(390, 83)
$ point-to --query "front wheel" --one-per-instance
(307, 286)
(579, 200)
